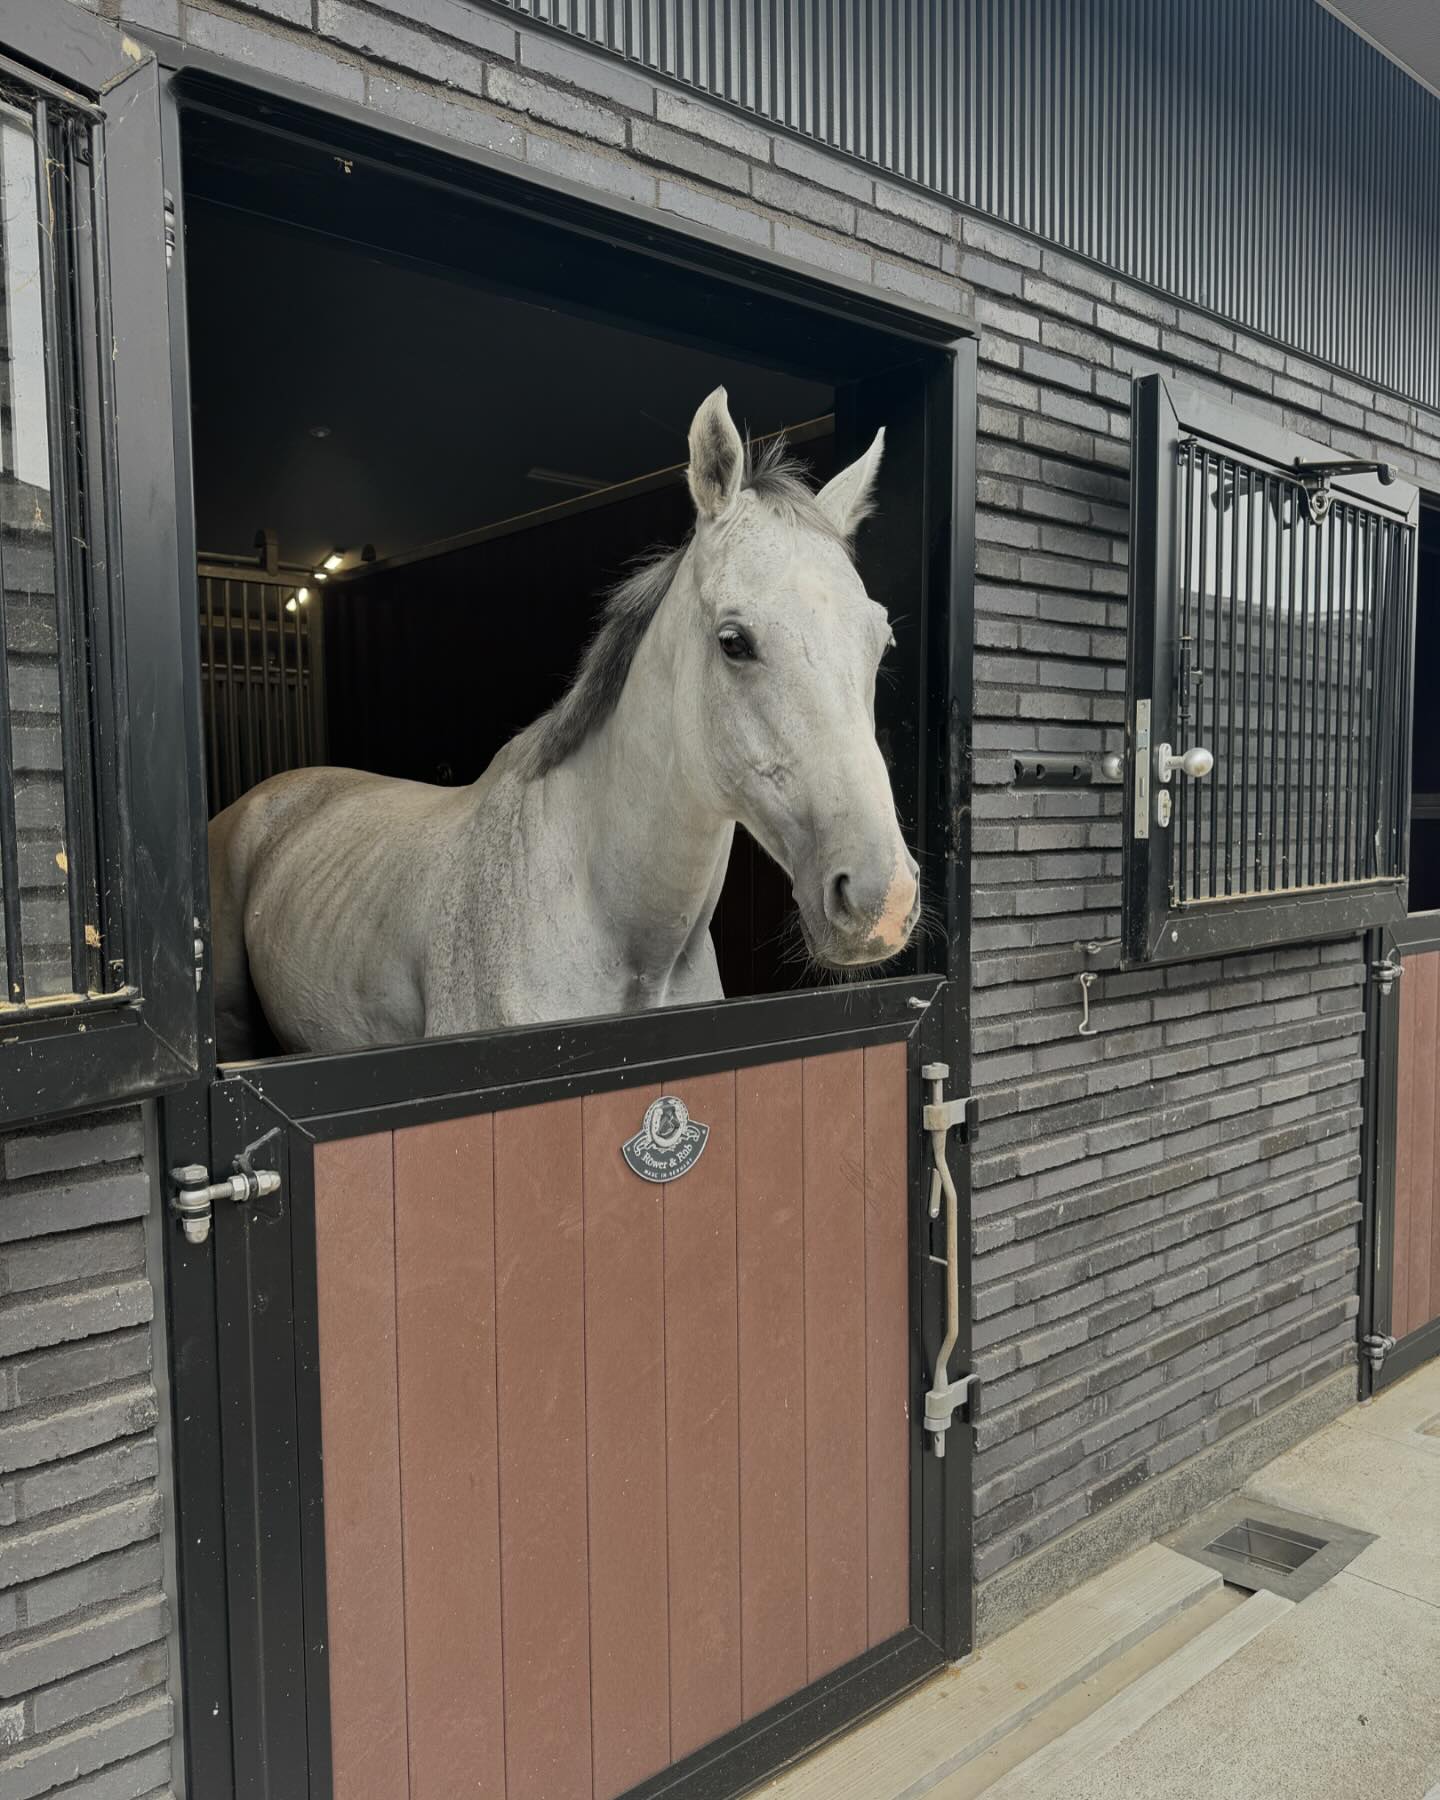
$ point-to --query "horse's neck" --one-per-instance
(652, 845)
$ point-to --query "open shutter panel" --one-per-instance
(1269, 687)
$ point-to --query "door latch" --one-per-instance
(940, 1117)
(195, 1194)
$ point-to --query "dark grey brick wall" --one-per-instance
(84, 1617)
(1166, 1213)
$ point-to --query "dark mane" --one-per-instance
(774, 477)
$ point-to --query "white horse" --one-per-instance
(731, 679)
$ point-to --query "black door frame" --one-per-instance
(247, 1451)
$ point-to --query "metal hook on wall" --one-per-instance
(1086, 978)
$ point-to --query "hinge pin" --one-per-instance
(1377, 1346)
(193, 1201)
(1387, 973)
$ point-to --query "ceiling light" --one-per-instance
(334, 560)
(297, 600)
(319, 431)
(318, 575)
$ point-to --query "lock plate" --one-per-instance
(1142, 768)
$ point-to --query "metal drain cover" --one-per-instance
(1257, 1546)
(1267, 1545)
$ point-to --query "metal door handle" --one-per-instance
(1195, 763)
(940, 1115)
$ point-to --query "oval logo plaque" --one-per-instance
(668, 1144)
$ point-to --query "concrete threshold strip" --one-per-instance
(1025, 1716)
(1072, 1756)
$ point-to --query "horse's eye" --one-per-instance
(736, 646)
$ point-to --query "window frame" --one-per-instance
(1152, 929)
(147, 1039)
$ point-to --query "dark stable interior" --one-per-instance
(499, 457)
(1425, 748)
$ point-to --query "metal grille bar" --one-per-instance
(1295, 669)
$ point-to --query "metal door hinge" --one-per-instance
(1387, 973)
(193, 1201)
(946, 1393)
(169, 230)
(1376, 1347)
(1315, 477)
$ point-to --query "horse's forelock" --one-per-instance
(778, 481)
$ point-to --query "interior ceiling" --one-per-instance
(434, 399)
(1408, 31)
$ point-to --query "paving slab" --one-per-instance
(1358, 1478)
(1088, 1746)
(1338, 1699)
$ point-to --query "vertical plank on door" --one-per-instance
(1422, 1306)
(445, 1310)
(1409, 1170)
(770, 1254)
(540, 1386)
(702, 1426)
(887, 1341)
(359, 1425)
(835, 1399)
(625, 1434)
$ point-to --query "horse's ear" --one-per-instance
(846, 497)
(717, 457)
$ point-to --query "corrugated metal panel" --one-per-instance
(1251, 156)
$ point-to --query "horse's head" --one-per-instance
(781, 668)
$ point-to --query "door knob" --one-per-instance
(1194, 763)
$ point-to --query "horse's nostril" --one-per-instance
(838, 906)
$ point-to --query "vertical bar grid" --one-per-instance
(64, 819)
(1263, 590)
(1282, 538)
(52, 173)
(1304, 655)
(1182, 706)
(9, 845)
(1202, 520)
(1354, 700)
(263, 702)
